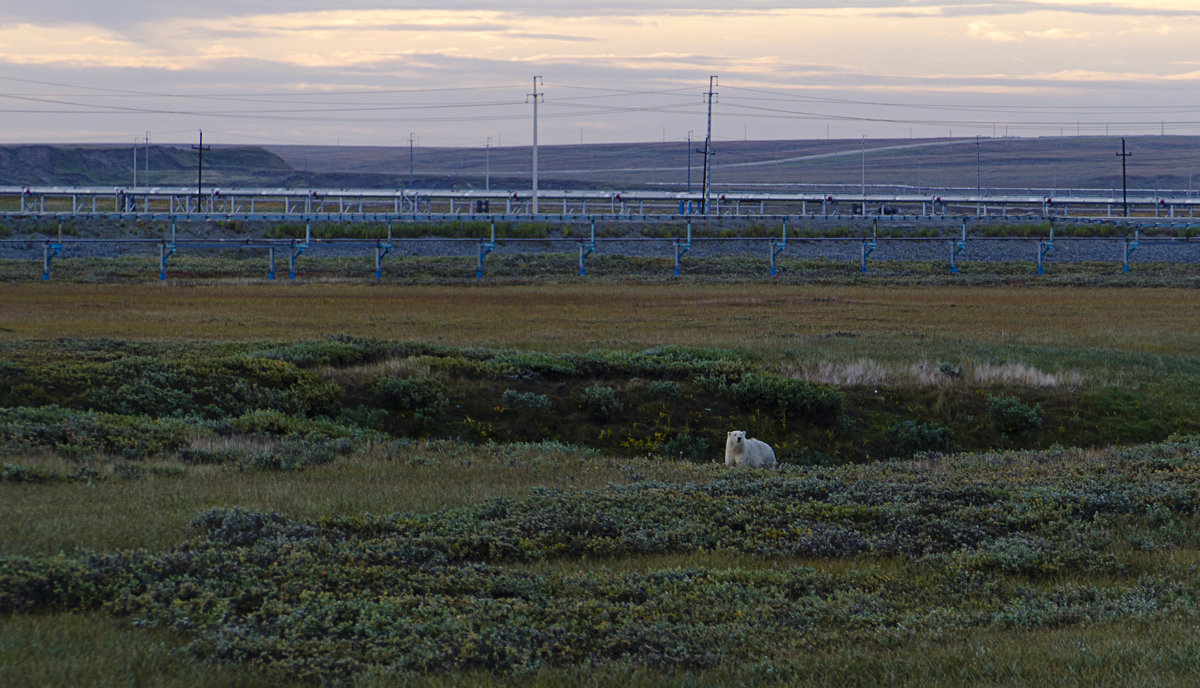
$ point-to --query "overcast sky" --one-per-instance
(457, 73)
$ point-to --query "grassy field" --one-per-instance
(243, 484)
(769, 319)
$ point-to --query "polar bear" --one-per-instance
(748, 452)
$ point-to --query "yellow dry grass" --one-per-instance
(759, 317)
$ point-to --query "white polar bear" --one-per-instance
(747, 452)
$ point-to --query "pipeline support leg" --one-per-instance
(381, 250)
(48, 253)
(484, 249)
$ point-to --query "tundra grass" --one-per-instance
(1068, 567)
(1086, 528)
(115, 513)
(846, 322)
(93, 651)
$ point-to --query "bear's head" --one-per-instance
(736, 439)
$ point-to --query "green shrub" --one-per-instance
(88, 433)
(686, 446)
(909, 437)
(796, 398)
(313, 353)
(525, 401)
(290, 454)
(665, 388)
(208, 387)
(602, 403)
(1012, 416)
(275, 423)
(421, 400)
(12, 473)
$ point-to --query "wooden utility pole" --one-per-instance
(200, 172)
(1124, 186)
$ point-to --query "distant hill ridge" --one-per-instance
(113, 165)
(1049, 165)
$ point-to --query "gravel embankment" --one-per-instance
(991, 250)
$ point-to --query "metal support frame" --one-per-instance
(298, 250)
(1045, 247)
(682, 248)
(585, 249)
(485, 247)
(51, 250)
(382, 248)
(1131, 245)
(870, 244)
(778, 246)
(165, 250)
(956, 247)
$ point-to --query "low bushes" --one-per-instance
(526, 401)
(1013, 416)
(506, 586)
(629, 402)
(142, 385)
(910, 437)
(87, 433)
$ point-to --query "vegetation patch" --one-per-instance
(499, 587)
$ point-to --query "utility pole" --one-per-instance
(1124, 186)
(689, 186)
(978, 174)
(536, 96)
(147, 180)
(135, 161)
(487, 161)
(411, 136)
(864, 173)
(200, 171)
(707, 181)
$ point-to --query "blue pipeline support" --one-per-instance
(956, 247)
(271, 263)
(1044, 247)
(682, 248)
(297, 250)
(382, 248)
(586, 248)
(165, 250)
(1130, 247)
(777, 247)
(485, 247)
(869, 246)
(48, 253)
